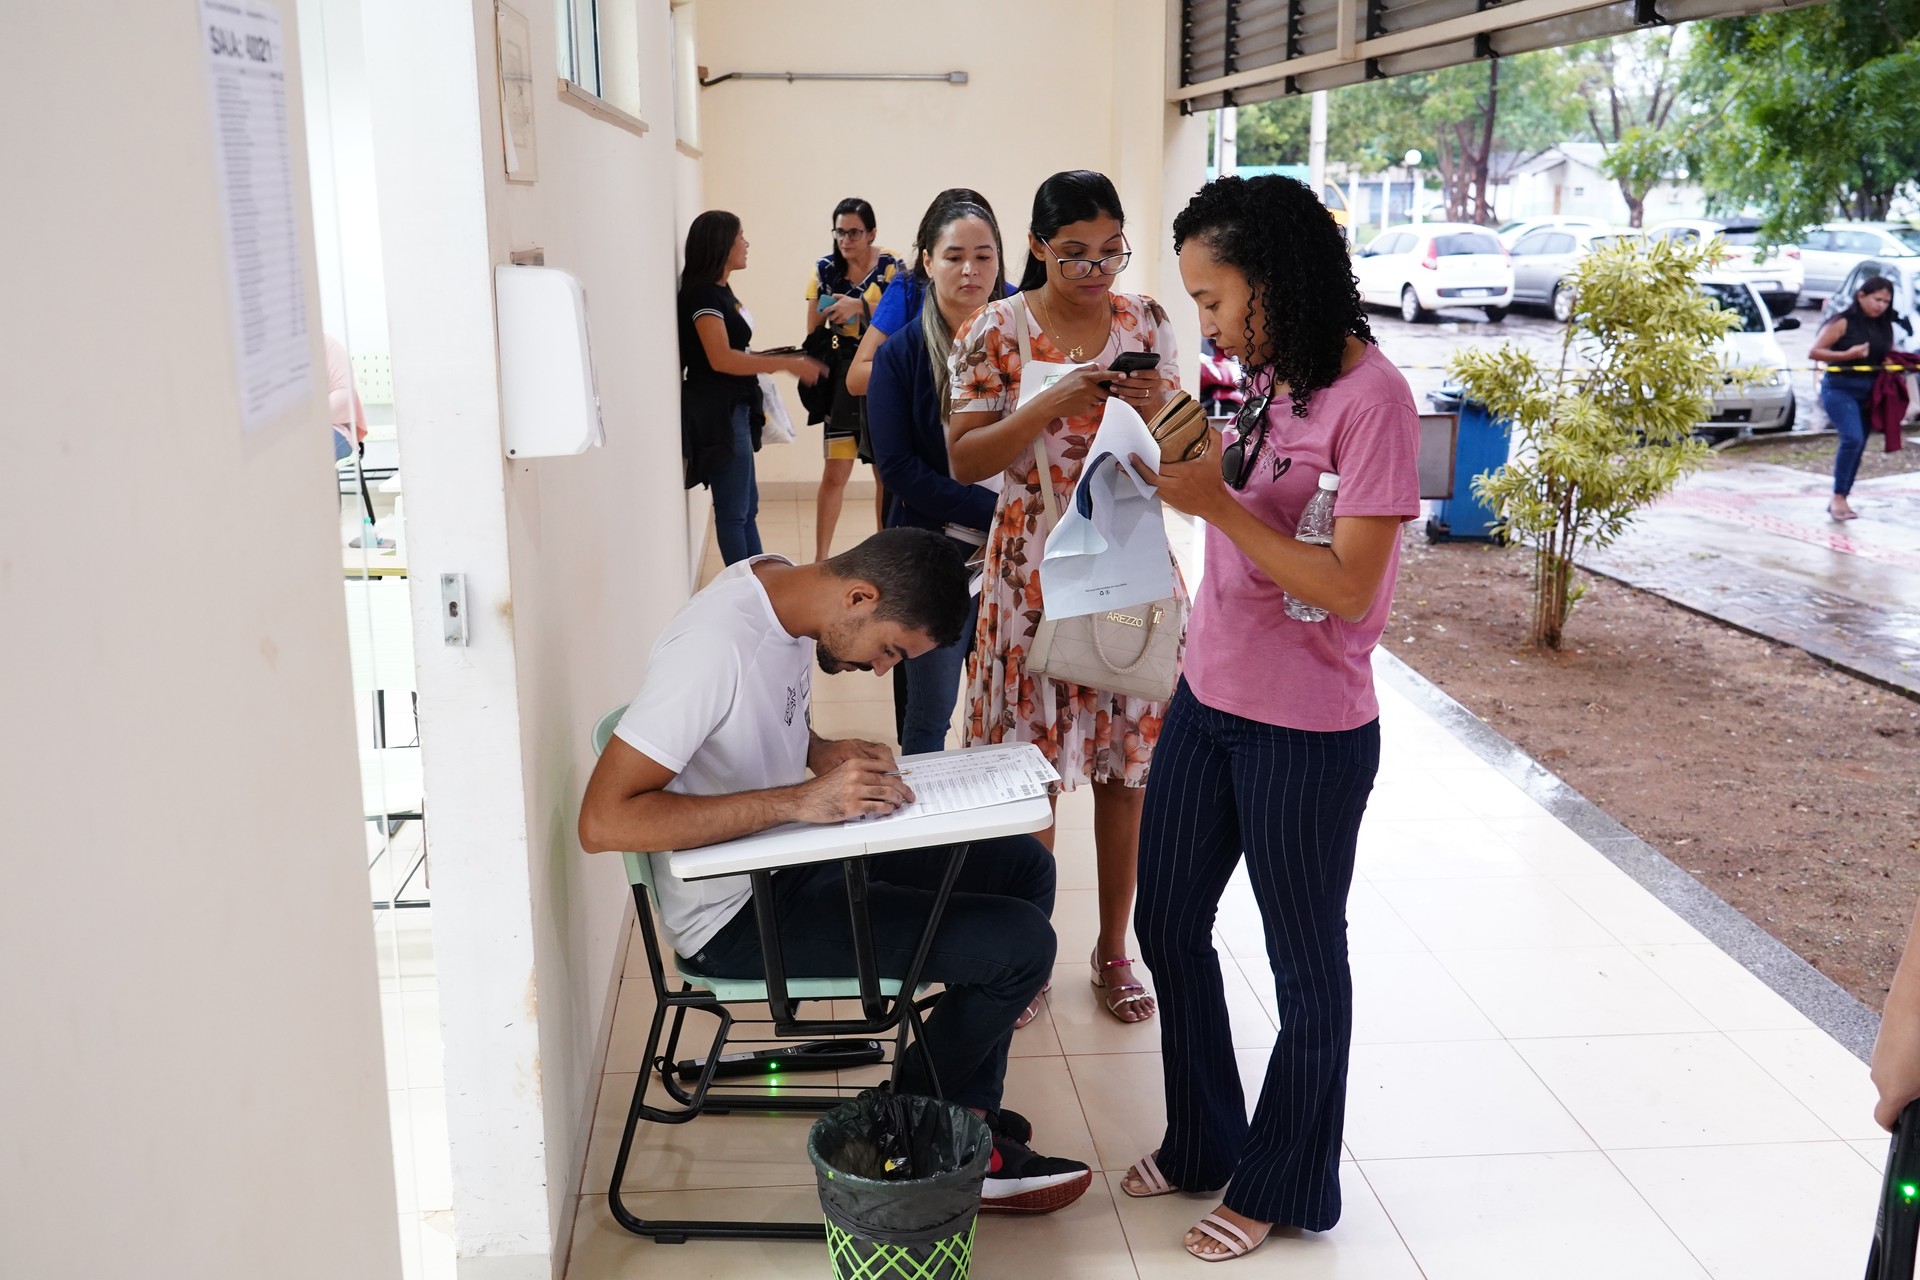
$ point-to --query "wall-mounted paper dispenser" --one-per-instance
(549, 405)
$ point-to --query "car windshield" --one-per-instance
(1742, 235)
(1908, 236)
(1460, 243)
(1609, 242)
(1739, 300)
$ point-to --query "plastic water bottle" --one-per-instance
(1316, 527)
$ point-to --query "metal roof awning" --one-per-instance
(1244, 51)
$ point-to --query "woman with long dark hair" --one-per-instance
(1854, 344)
(1272, 740)
(720, 416)
(1076, 245)
(842, 292)
(957, 265)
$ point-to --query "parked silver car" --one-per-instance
(1773, 272)
(1904, 274)
(1829, 253)
(1545, 257)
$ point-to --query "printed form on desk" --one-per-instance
(976, 779)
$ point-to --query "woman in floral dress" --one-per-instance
(1076, 245)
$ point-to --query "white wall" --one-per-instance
(193, 1070)
(782, 155)
(346, 216)
(573, 564)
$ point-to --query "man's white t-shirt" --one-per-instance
(724, 706)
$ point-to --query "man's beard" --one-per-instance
(834, 665)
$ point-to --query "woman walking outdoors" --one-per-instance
(1853, 345)
(1070, 314)
(1272, 741)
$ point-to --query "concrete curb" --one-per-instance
(1828, 1005)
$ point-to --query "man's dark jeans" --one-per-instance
(993, 950)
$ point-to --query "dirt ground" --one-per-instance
(1815, 454)
(1783, 785)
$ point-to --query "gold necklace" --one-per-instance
(1077, 352)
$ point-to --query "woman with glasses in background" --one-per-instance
(844, 289)
(1272, 740)
(1076, 245)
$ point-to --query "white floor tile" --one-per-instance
(1083, 1241)
(1490, 795)
(1403, 849)
(1569, 1216)
(1627, 911)
(1076, 923)
(1399, 999)
(1715, 983)
(1458, 1099)
(740, 1150)
(1669, 1091)
(1571, 991)
(1123, 1096)
(1819, 1194)
(1831, 1082)
(1549, 848)
(1373, 928)
(603, 1250)
(1874, 1152)
(1486, 912)
(1416, 797)
(1044, 1091)
(1363, 1245)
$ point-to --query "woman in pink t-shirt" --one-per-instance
(1271, 744)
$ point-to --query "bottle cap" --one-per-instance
(1329, 481)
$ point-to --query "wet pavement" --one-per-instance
(1748, 543)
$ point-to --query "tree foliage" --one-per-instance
(1630, 86)
(1806, 113)
(1609, 427)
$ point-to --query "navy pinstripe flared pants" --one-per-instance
(1291, 801)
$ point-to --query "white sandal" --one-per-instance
(1237, 1242)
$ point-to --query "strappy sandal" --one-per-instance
(1238, 1244)
(1148, 1174)
(1032, 1010)
(1119, 995)
(1848, 514)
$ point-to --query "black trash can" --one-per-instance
(880, 1223)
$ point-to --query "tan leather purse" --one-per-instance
(1133, 651)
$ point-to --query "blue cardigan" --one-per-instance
(910, 443)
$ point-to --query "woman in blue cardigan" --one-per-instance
(958, 264)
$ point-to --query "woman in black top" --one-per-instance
(720, 415)
(1854, 344)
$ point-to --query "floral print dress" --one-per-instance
(1090, 735)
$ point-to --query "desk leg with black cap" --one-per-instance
(901, 1014)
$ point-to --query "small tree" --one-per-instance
(1610, 427)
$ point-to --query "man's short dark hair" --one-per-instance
(921, 577)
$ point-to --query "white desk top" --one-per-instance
(796, 845)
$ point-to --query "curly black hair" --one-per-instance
(1278, 234)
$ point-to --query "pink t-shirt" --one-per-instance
(1245, 656)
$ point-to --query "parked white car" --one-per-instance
(1775, 274)
(1829, 253)
(1545, 257)
(1766, 402)
(1423, 267)
(1511, 232)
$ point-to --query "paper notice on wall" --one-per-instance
(246, 55)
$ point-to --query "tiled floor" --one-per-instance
(1553, 1075)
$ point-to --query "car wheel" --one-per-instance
(1563, 303)
(1410, 306)
(1496, 314)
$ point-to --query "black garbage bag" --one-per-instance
(890, 1165)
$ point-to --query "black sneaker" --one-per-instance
(1020, 1181)
(1008, 1123)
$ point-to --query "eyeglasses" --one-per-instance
(1080, 268)
(848, 233)
(1237, 459)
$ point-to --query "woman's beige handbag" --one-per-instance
(1133, 651)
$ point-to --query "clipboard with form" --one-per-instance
(952, 781)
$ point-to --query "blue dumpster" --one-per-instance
(1479, 447)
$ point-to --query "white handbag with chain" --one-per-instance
(1133, 651)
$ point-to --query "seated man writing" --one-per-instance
(717, 745)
